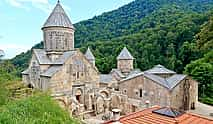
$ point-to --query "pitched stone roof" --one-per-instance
(147, 116)
(118, 72)
(26, 72)
(51, 71)
(132, 76)
(168, 83)
(159, 69)
(58, 18)
(134, 73)
(43, 59)
(89, 54)
(106, 78)
(125, 55)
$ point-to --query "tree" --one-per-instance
(202, 71)
(1, 54)
(205, 37)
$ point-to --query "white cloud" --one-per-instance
(43, 5)
(11, 50)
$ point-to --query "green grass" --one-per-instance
(38, 109)
(31, 108)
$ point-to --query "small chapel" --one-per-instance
(74, 81)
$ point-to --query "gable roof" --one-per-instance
(58, 18)
(118, 72)
(43, 59)
(147, 116)
(51, 71)
(158, 79)
(168, 83)
(89, 54)
(159, 69)
(106, 78)
(125, 55)
(26, 72)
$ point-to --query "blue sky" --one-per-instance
(21, 20)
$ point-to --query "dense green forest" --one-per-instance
(175, 33)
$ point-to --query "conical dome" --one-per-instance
(58, 18)
(89, 54)
(125, 55)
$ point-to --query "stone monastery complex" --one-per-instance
(73, 79)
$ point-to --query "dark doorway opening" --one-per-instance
(30, 86)
(78, 97)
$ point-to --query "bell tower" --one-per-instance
(125, 61)
(58, 32)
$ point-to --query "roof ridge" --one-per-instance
(160, 69)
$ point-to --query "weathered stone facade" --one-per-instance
(76, 83)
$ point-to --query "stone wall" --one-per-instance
(141, 88)
(180, 91)
(58, 39)
(125, 65)
(78, 72)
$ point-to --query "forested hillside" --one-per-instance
(173, 33)
(132, 19)
(202, 69)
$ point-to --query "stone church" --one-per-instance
(73, 79)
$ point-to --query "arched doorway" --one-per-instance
(30, 86)
(78, 95)
(105, 94)
(115, 103)
(100, 104)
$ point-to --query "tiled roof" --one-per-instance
(125, 54)
(58, 18)
(106, 78)
(147, 116)
(51, 71)
(159, 69)
(89, 54)
(43, 59)
(168, 83)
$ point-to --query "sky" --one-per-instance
(21, 20)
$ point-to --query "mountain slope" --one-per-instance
(147, 27)
(118, 22)
(169, 41)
